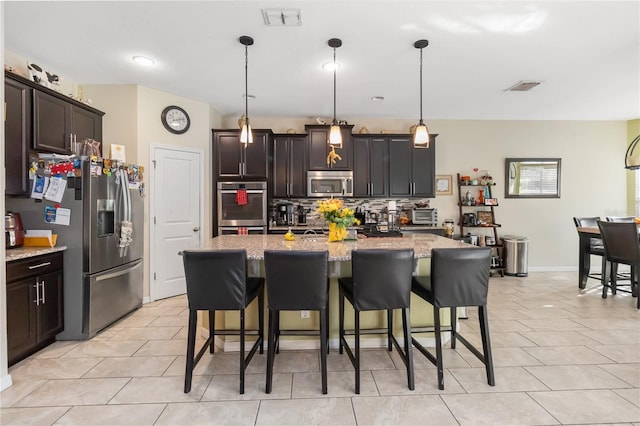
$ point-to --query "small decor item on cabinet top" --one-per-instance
(485, 178)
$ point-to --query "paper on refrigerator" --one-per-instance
(56, 188)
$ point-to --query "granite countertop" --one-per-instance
(338, 251)
(315, 227)
(26, 252)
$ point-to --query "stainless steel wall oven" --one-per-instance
(242, 207)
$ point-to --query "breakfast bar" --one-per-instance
(340, 265)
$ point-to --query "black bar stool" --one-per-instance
(459, 277)
(621, 245)
(381, 280)
(297, 280)
(217, 280)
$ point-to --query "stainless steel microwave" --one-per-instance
(425, 216)
(328, 183)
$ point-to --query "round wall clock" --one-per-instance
(175, 119)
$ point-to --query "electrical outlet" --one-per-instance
(304, 314)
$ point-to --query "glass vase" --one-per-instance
(336, 232)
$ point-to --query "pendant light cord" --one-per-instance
(334, 86)
(246, 85)
(421, 122)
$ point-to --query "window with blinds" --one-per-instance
(637, 192)
(538, 178)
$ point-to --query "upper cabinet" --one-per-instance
(17, 136)
(44, 120)
(370, 171)
(411, 170)
(318, 136)
(235, 160)
(288, 177)
(59, 125)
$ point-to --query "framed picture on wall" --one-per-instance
(485, 217)
(490, 201)
(443, 184)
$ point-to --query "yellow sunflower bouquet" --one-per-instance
(339, 217)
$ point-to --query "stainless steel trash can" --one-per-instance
(516, 253)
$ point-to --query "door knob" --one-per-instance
(196, 229)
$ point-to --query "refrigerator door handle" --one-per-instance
(119, 273)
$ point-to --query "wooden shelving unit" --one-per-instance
(497, 258)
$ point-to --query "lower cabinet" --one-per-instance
(34, 304)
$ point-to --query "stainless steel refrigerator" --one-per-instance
(103, 266)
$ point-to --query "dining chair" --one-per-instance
(621, 246)
(459, 277)
(296, 281)
(595, 248)
(217, 280)
(620, 219)
(381, 280)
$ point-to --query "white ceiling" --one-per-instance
(586, 53)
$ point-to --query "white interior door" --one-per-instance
(176, 222)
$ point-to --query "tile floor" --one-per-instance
(561, 356)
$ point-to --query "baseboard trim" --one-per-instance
(5, 382)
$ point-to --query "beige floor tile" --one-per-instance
(426, 382)
(228, 413)
(55, 368)
(296, 361)
(619, 353)
(546, 313)
(507, 379)
(161, 348)
(320, 411)
(218, 363)
(502, 326)
(339, 384)
(630, 373)
(56, 349)
(502, 357)
(18, 390)
(146, 390)
(409, 410)
(452, 358)
(104, 348)
(576, 377)
(506, 314)
(134, 321)
(180, 301)
(165, 321)
(109, 415)
(565, 355)
(501, 340)
(614, 337)
(227, 387)
(558, 338)
(106, 334)
(595, 406)
(609, 323)
(552, 324)
(631, 395)
(73, 392)
(31, 416)
(131, 367)
(497, 409)
(158, 310)
(146, 333)
(370, 359)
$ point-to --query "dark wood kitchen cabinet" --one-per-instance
(317, 140)
(411, 170)
(17, 136)
(370, 171)
(58, 124)
(235, 160)
(34, 304)
(288, 177)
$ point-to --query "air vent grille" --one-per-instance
(523, 86)
(282, 17)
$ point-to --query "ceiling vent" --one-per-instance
(282, 17)
(522, 86)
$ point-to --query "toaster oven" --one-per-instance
(424, 216)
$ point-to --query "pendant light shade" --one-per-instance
(246, 136)
(632, 157)
(421, 135)
(335, 135)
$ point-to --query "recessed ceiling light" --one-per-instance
(249, 96)
(377, 98)
(331, 66)
(143, 60)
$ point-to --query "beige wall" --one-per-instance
(593, 181)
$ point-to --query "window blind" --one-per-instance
(637, 192)
(539, 178)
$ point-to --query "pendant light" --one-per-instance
(421, 135)
(335, 135)
(246, 135)
(632, 157)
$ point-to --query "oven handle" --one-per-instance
(249, 191)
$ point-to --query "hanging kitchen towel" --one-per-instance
(241, 197)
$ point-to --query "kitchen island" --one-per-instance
(340, 265)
